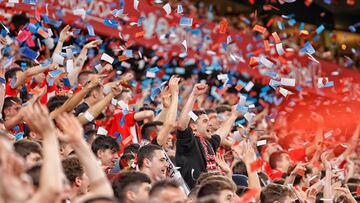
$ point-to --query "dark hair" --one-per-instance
(214, 187)
(240, 190)
(126, 158)
(147, 152)
(223, 108)
(84, 73)
(280, 181)
(205, 175)
(148, 128)
(274, 192)
(132, 148)
(34, 173)
(209, 111)
(240, 168)
(9, 102)
(197, 113)
(89, 133)
(163, 184)
(56, 101)
(128, 181)
(72, 168)
(103, 142)
(11, 73)
(275, 157)
(100, 198)
(25, 147)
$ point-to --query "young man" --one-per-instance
(30, 151)
(75, 173)
(131, 187)
(106, 150)
(224, 190)
(275, 193)
(196, 145)
(152, 162)
(167, 191)
(280, 163)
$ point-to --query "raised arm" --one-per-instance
(73, 134)
(328, 198)
(353, 141)
(23, 76)
(170, 120)
(142, 115)
(50, 189)
(291, 178)
(248, 156)
(80, 60)
(96, 109)
(12, 122)
(184, 119)
(166, 101)
(63, 35)
(74, 100)
(226, 127)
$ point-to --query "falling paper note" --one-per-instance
(167, 8)
(179, 9)
(136, 4)
(107, 58)
(193, 116)
(287, 82)
(261, 143)
(280, 49)
(57, 58)
(184, 44)
(249, 86)
(90, 30)
(184, 21)
(69, 66)
(284, 92)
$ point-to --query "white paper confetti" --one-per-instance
(193, 116)
(107, 58)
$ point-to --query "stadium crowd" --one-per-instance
(77, 127)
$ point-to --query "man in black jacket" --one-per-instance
(196, 146)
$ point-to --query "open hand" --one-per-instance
(71, 128)
(64, 33)
(174, 84)
(38, 119)
(92, 44)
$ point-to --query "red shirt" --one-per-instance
(275, 174)
(121, 132)
(10, 91)
(297, 154)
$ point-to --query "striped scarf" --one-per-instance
(210, 158)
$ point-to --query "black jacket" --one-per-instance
(190, 155)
